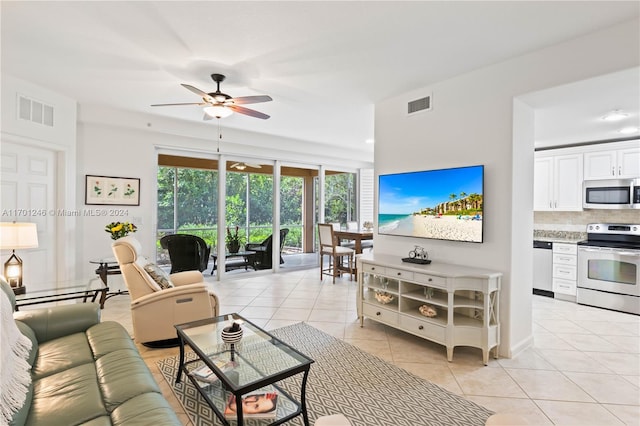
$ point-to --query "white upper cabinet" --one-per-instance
(557, 182)
(615, 163)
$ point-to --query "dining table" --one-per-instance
(357, 236)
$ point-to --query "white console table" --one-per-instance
(465, 299)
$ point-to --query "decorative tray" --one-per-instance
(415, 260)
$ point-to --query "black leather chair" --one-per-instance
(264, 250)
(187, 252)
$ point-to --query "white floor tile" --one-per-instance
(580, 353)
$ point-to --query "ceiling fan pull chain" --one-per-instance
(219, 135)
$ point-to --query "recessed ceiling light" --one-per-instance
(369, 141)
(628, 130)
(615, 115)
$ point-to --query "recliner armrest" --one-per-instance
(186, 277)
(171, 293)
(58, 321)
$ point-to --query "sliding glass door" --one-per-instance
(187, 204)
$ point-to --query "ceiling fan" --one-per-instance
(242, 166)
(218, 105)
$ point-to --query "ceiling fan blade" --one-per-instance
(196, 91)
(181, 103)
(251, 99)
(247, 111)
(253, 166)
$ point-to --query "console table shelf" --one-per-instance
(465, 300)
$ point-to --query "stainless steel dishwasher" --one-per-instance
(543, 268)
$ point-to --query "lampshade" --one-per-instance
(218, 111)
(14, 236)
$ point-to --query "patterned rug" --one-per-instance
(344, 379)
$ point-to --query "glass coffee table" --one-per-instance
(253, 365)
(59, 291)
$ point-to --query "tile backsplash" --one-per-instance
(577, 221)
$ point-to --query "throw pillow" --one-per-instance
(158, 275)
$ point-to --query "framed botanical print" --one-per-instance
(109, 190)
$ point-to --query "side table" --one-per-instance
(108, 266)
(248, 261)
(65, 291)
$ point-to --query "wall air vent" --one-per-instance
(35, 111)
(422, 104)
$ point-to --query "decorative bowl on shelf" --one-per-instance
(428, 311)
(383, 297)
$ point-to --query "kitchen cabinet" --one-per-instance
(565, 270)
(620, 161)
(557, 182)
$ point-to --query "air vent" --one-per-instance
(35, 111)
(422, 104)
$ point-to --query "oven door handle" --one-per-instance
(610, 250)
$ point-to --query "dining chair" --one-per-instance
(329, 246)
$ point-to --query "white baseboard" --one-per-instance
(516, 349)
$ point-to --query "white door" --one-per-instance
(27, 194)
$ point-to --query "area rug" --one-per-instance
(344, 379)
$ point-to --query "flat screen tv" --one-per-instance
(445, 204)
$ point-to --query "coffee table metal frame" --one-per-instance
(65, 292)
(227, 383)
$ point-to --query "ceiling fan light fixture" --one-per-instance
(615, 115)
(241, 166)
(218, 111)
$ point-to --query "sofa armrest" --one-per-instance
(186, 277)
(59, 321)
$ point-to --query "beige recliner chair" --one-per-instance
(157, 304)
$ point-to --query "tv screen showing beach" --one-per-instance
(442, 204)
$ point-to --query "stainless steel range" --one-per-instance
(609, 267)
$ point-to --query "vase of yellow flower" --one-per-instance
(120, 229)
(233, 240)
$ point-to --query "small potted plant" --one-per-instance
(233, 240)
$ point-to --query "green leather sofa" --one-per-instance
(85, 372)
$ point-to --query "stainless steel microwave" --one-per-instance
(611, 194)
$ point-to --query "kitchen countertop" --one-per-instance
(559, 236)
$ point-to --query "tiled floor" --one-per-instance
(584, 368)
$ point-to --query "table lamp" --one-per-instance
(16, 236)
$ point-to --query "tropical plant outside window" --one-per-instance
(340, 198)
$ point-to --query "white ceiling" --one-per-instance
(324, 63)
